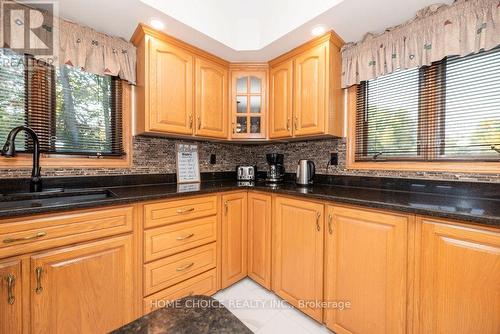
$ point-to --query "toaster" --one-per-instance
(246, 173)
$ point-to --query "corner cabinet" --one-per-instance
(181, 90)
(249, 102)
(306, 99)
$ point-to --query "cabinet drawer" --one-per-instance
(167, 240)
(163, 213)
(28, 234)
(166, 272)
(203, 284)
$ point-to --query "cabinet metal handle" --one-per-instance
(318, 215)
(190, 121)
(38, 275)
(199, 122)
(184, 237)
(296, 123)
(181, 211)
(226, 206)
(11, 281)
(31, 237)
(187, 266)
(288, 124)
(330, 221)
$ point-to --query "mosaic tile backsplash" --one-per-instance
(157, 156)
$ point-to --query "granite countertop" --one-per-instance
(189, 315)
(470, 207)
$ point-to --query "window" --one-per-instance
(447, 111)
(72, 111)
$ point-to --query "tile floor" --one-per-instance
(264, 312)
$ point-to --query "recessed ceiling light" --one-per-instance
(318, 30)
(157, 24)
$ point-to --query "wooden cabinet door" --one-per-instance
(234, 238)
(259, 238)
(310, 91)
(366, 265)
(170, 78)
(459, 279)
(298, 253)
(248, 104)
(83, 289)
(11, 301)
(211, 99)
(281, 100)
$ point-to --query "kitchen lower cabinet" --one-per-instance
(86, 288)
(459, 278)
(11, 296)
(297, 253)
(366, 266)
(234, 238)
(259, 238)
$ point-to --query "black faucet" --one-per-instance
(9, 150)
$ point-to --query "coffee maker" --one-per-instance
(276, 169)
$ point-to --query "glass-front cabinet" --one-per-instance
(248, 104)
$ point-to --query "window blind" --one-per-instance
(12, 96)
(447, 111)
(72, 111)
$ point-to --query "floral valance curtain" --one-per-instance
(95, 52)
(437, 31)
(74, 45)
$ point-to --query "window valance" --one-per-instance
(74, 45)
(437, 31)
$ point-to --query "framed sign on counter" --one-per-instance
(188, 166)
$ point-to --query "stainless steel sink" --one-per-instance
(52, 197)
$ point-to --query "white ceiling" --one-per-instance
(238, 30)
(243, 25)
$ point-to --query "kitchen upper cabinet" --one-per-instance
(297, 253)
(181, 90)
(167, 105)
(306, 98)
(366, 265)
(234, 238)
(310, 98)
(281, 100)
(83, 289)
(211, 99)
(459, 278)
(11, 297)
(248, 103)
(259, 238)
